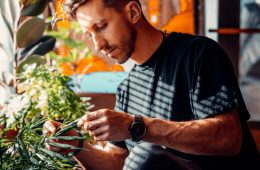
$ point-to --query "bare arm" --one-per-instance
(218, 135)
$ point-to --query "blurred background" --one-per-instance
(235, 24)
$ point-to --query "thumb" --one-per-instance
(51, 126)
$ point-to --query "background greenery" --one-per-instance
(41, 92)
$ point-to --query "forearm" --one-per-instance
(110, 157)
(213, 136)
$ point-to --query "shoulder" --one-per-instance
(181, 43)
(192, 47)
(191, 40)
(202, 47)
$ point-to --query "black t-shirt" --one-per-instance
(187, 78)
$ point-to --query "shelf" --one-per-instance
(233, 31)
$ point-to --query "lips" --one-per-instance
(110, 52)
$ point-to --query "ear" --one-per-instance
(133, 11)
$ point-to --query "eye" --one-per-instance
(101, 27)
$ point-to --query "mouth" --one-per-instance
(110, 52)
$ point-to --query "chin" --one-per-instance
(120, 60)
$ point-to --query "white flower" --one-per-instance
(13, 110)
(29, 68)
(32, 92)
(43, 100)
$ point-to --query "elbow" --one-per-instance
(233, 135)
(236, 145)
(233, 144)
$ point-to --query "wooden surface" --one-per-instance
(101, 100)
(233, 31)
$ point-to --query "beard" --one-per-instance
(131, 43)
(127, 45)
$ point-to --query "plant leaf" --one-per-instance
(30, 31)
(56, 154)
(67, 138)
(30, 60)
(35, 8)
(64, 146)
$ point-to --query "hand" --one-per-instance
(107, 124)
(50, 127)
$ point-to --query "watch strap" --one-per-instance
(138, 118)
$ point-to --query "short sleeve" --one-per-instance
(214, 85)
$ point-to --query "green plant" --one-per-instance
(50, 93)
(28, 149)
(45, 94)
(23, 32)
(76, 49)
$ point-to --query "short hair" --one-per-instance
(71, 6)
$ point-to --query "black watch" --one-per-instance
(137, 129)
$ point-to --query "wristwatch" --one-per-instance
(137, 128)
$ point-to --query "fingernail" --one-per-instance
(50, 127)
(79, 123)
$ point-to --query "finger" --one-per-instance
(53, 148)
(99, 131)
(49, 127)
(81, 121)
(94, 115)
(56, 124)
(46, 132)
(88, 117)
(93, 125)
(53, 123)
(102, 137)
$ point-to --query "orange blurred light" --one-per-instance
(183, 22)
(154, 12)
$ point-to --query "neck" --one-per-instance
(148, 41)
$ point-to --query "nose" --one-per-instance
(99, 42)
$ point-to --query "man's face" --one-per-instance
(111, 32)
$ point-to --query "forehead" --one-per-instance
(93, 12)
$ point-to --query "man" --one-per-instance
(180, 107)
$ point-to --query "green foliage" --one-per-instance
(50, 93)
(46, 94)
(76, 48)
(37, 59)
(63, 35)
(30, 31)
(28, 149)
(33, 7)
(43, 94)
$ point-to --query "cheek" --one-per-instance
(119, 31)
(112, 37)
(124, 39)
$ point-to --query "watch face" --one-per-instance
(138, 131)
